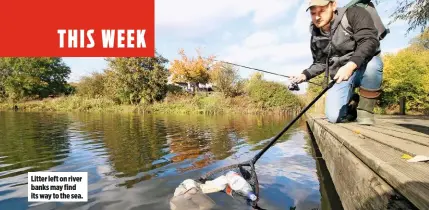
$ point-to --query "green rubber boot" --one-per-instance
(365, 111)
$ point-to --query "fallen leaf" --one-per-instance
(406, 156)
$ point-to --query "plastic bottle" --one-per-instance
(215, 185)
(240, 185)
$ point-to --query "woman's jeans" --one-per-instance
(338, 96)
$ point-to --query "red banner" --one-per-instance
(77, 28)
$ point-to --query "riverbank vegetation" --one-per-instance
(192, 85)
(141, 85)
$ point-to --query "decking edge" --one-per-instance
(358, 186)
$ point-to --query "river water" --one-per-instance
(136, 161)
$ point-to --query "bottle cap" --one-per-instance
(252, 197)
(228, 190)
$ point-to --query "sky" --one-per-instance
(273, 35)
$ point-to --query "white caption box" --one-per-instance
(57, 186)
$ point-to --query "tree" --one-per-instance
(4, 73)
(226, 79)
(138, 79)
(33, 77)
(413, 11)
(421, 41)
(191, 70)
(256, 76)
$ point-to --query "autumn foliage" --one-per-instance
(192, 70)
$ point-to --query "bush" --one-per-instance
(174, 89)
(406, 74)
(92, 86)
(269, 94)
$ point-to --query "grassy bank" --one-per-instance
(213, 103)
(201, 103)
(67, 104)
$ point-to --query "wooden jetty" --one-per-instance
(367, 163)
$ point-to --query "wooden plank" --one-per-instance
(422, 121)
(403, 117)
(409, 179)
(356, 184)
(388, 123)
(416, 125)
(423, 141)
(400, 129)
(405, 146)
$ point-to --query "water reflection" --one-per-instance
(31, 142)
(136, 161)
(140, 143)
